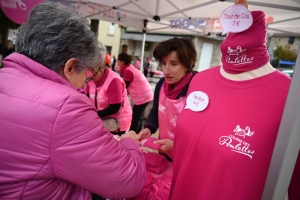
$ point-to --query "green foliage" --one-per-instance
(123, 28)
(285, 54)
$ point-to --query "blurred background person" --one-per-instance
(113, 63)
(153, 67)
(58, 148)
(177, 57)
(109, 95)
(138, 88)
(9, 48)
(138, 63)
(146, 67)
(107, 60)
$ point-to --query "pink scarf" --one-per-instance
(171, 92)
(246, 50)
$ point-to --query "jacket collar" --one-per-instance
(26, 65)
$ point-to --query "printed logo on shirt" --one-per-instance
(241, 132)
(236, 144)
(173, 120)
(161, 108)
(237, 56)
(142, 142)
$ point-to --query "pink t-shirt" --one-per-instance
(115, 91)
(224, 151)
(128, 76)
(139, 88)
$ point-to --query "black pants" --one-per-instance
(138, 111)
(151, 74)
(145, 72)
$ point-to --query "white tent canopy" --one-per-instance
(193, 17)
(185, 16)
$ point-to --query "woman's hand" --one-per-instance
(144, 134)
(166, 145)
(130, 134)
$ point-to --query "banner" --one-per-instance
(16, 10)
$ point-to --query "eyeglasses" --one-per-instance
(90, 75)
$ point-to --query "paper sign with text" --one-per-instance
(197, 101)
(236, 19)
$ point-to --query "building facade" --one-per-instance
(109, 35)
(207, 47)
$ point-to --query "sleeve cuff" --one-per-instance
(150, 127)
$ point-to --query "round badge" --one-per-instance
(197, 101)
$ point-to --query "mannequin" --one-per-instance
(223, 148)
(264, 70)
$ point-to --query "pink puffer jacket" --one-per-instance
(53, 144)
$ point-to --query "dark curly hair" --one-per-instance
(127, 59)
(185, 48)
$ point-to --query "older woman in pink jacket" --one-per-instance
(52, 142)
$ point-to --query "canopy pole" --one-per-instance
(143, 48)
(287, 143)
(143, 44)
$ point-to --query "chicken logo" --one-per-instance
(236, 51)
(243, 133)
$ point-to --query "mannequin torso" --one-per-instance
(264, 70)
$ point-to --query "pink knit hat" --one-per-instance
(246, 50)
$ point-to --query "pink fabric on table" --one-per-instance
(155, 162)
(156, 188)
(149, 142)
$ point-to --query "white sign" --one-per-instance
(236, 19)
(197, 101)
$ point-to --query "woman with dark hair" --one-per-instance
(58, 148)
(177, 57)
(138, 88)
